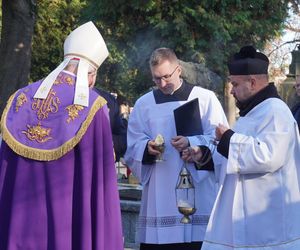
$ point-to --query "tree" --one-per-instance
(205, 31)
(0, 17)
(18, 18)
(279, 49)
(55, 20)
(199, 31)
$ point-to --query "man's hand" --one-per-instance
(180, 143)
(220, 130)
(192, 154)
(151, 146)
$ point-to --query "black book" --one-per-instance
(188, 123)
(187, 119)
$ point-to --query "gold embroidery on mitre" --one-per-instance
(73, 111)
(43, 107)
(43, 89)
(21, 99)
(38, 133)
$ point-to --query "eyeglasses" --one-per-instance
(165, 77)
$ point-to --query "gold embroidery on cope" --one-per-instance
(38, 133)
(69, 80)
(21, 99)
(61, 79)
(73, 111)
(58, 80)
(43, 107)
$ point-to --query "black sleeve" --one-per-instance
(117, 123)
(119, 131)
(209, 166)
(147, 158)
(223, 146)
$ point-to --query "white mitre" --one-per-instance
(86, 44)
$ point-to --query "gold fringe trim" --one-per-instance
(5, 111)
(53, 154)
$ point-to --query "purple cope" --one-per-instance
(58, 187)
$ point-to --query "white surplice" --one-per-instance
(159, 221)
(258, 204)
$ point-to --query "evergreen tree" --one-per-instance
(200, 31)
(55, 20)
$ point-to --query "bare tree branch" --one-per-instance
(295, 5)
(283, 44)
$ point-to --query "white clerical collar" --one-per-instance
(181, 81)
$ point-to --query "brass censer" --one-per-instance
(185, 195)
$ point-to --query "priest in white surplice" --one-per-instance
(159, 224)
(258, 205)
